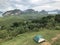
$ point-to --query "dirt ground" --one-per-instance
(45, 43)
(52, 40)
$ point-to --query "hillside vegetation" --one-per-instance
(11, 26)
(27, 38)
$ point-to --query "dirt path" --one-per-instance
(45, 43)
(54, 39)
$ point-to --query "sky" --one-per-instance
(37, 5)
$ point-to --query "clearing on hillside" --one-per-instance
(27, 38)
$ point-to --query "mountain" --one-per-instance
(18, 12)
(12, 12)
(1, 13)
(29, 11)
(58, 11)
(50, 12)
(43, 12)
(54, 11)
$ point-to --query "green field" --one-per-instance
(27, 38)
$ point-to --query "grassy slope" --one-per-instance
(27, 38)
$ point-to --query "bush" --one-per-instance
(57, 18)
(3, 34)
(57, 27)
(35, 29)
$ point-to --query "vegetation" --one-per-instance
(11, 26)
(27, 38)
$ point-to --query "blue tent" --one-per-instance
(39, 38)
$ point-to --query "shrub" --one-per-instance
(3, 34)
(57, 27)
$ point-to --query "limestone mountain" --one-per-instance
(12, 12)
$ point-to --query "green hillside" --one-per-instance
(27, 38)
(20, 30)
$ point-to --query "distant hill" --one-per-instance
(54, 12)
(58, 11)
(29, 11)
(18, 12)
(12, 12)
(1, 13)
(43, 12)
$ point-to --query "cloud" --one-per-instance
(22, 7)
(50, 5)
(5, 5)
(43, 7)
(37, 2)
(26, 4)
(56, 0)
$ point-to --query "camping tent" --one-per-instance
(39, 38)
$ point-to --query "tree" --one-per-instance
(57, 18)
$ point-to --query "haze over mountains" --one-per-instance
(1, 13)
(29, 11)
(18, 12)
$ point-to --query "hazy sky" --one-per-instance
(28, 4)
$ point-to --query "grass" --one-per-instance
(27, 38)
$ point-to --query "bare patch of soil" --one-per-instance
(45, 43)
(54, 39)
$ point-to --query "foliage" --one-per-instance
(27, 38)
(11, 26)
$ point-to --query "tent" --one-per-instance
(39, 38)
